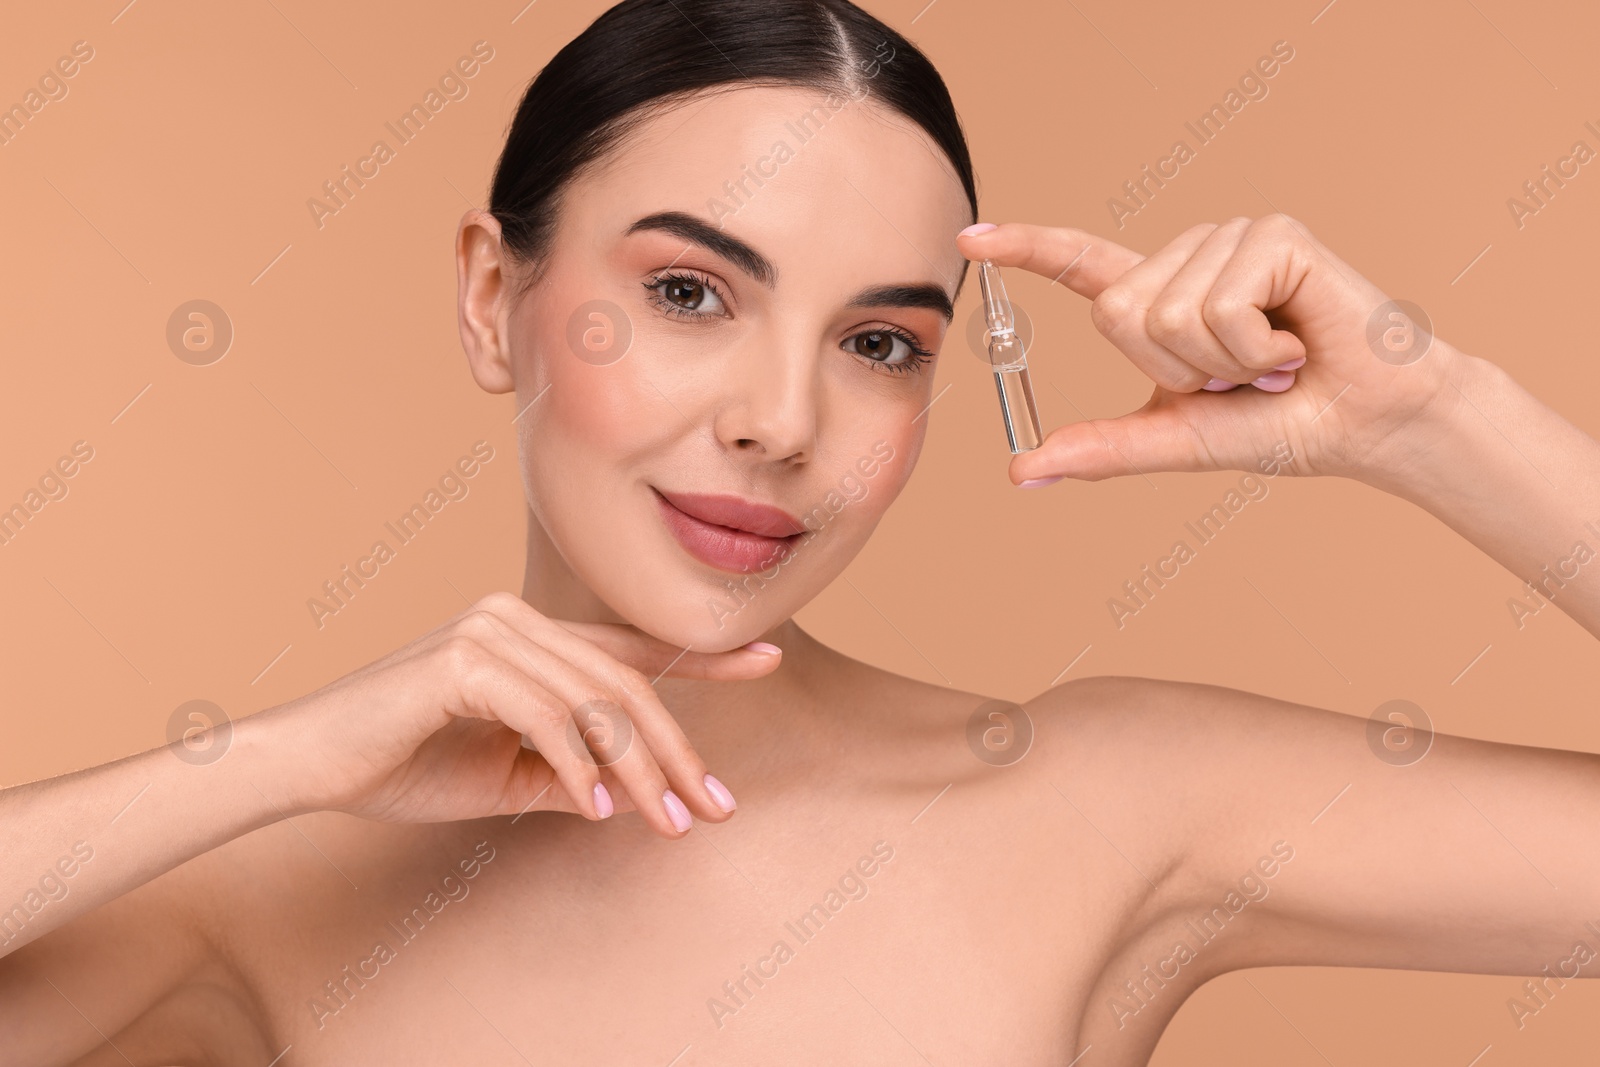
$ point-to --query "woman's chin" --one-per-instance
(700, 618)
(700, 632)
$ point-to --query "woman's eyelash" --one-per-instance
(668, 306)
(920, 356)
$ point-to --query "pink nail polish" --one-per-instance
(1034, 483)
(676, 811)
(1298, 361)
(764, 647)
(977, 227)
(1218, 385)
(1274, 381)
(720, 794)
(602, 801)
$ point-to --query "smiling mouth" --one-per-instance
(729, 533)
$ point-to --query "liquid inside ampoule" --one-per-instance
(1010, 363)
(1011, 381)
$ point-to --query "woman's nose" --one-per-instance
(770, 409)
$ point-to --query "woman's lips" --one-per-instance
(704, 526)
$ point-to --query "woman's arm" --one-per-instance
(74, 842)
(1221, 306)
(1514, 478)
(430, 733)
(1271, 832)
(1278, 835)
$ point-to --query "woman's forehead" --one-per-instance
(803, 175)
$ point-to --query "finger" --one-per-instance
(1262, 274)
(602, 712)
(532, 785)
(662, 737)
(495, 688)
(1122, 312)
(1172, 432)
(667, 756)
(1081, 261)
(1176, 319)
(1096, 449)
(619, 792)
(632, 646)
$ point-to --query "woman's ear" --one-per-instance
(482, 288)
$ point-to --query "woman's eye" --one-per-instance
(879, 347)
(682, 294)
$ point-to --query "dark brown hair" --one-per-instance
(643, 54)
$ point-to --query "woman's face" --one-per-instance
(733, 341)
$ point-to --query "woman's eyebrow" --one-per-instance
(923, 295)
(681, 224)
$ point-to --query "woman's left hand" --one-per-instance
(1229, 304)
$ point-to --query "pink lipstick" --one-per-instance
(727, 532)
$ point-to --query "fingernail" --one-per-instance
(762, 646)
(720, 794)
(676, 811)
(1034, 483)
(1291, 364)
(977, 227)
(602, 801)
(1218, 385)
(1274, 381)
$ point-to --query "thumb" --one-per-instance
(1199, 431)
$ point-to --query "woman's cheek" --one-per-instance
(893, 451)
(607, 410)
(590, 362)
(867, 478)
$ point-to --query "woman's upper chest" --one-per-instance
(862, 930)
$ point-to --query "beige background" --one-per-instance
(179, 564)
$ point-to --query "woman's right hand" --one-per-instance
(433, 731)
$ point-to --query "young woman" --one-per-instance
(721, 251)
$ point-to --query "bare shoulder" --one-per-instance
(1198, 769)
(1192, 736)
(1126, 694)
(1157, 721)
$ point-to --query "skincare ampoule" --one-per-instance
(1010, 363)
